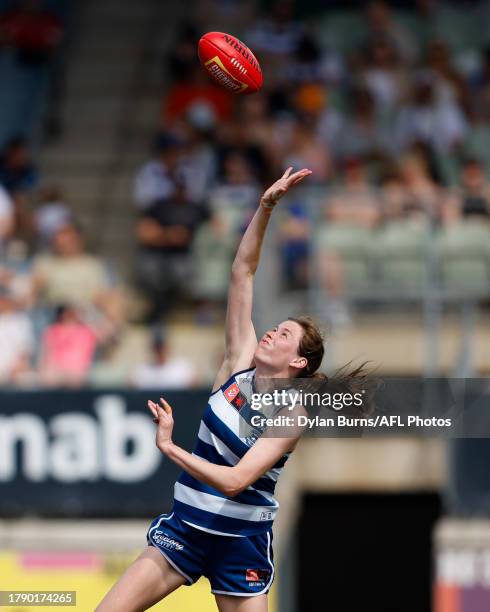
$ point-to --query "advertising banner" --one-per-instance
(85, 577)
(89, 453)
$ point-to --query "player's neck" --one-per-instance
(266, 378)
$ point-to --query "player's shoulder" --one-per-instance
(236, 378)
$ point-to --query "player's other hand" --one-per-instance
(282, 186)
(162, 416)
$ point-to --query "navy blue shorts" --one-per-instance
(233, 566)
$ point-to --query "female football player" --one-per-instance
(224, 505)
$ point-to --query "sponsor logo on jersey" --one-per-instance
(266, 516)
(162, 539)
(231, 392)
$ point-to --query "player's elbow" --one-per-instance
(234, 485)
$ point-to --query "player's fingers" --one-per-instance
(297, 179)
(152, 408)
(288, 172)
(299, 174)
(161, 413)
(166, 406)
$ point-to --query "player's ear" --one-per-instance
(299, 362)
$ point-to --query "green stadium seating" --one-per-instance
(353, 245)
(464, 256)
(478, 145)
(400, 251)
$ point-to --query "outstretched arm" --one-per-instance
(240, 339)
(231, 481)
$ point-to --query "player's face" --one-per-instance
(278, 348)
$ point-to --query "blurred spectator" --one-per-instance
(16, 337)
(275, 39)
(198, 166)
(440, 125)
(235, 197)
(382, 25)
(165, 232)
(19, 176)
(421, 195)
(198, 87)
(295, 236)
(15, 273)
(157, 178)
(354, 201)
(181, 60)
(449, 85)
(212, 255)
(68, 348)
(279, 33)
(362, 135)
(6, 217)
(32, 30)
(330, 121)
(384, 75)
(392, 194)
(352, 212)
(51, 214)
(232, 204)
(311, 64)
(235, 136)
(306, 150)
(17, 172)
(472, 197)
(165, 371)
(256, 136)
(69, 275)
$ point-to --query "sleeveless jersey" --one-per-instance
(219, 441)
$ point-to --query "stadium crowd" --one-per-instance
(390, 109)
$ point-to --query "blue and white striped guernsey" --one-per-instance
(252, 511)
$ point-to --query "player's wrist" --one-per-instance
(166, 447)
(266, 206)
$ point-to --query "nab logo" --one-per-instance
(76, 447)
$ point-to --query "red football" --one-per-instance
(230, 63)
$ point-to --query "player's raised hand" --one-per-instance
(164, 419)
(282, 186)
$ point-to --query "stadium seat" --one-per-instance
(477, 145)
(353, 246)
(400, 252)
(212, 256)
(464, 256)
